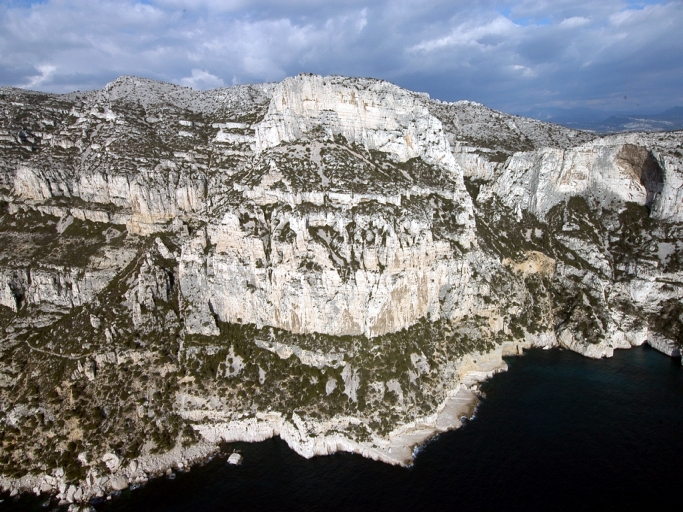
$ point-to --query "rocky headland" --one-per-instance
(336, 261)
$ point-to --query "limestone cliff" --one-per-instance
(337, 261)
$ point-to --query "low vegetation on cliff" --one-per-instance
(176, 264)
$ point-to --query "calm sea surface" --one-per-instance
(556, 432)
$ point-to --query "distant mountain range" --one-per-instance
(609, 122)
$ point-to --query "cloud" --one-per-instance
(524, 70)
(574, 22)
(45, 72)
(507, 54)
(201, 80)
(466, 34)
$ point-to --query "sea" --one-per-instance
(557, 431)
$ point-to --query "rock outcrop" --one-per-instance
(335, 261)
(611, 171)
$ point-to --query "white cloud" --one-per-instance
(524, 70)
(468, 34)
(201, 80)
(362, 20)
(574, 22)
(214, 5)
(45, 72)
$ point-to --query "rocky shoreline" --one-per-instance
(398, 448)
(135, 473)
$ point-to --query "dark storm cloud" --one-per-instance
(509, 55)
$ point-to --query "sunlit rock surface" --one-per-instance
(336, 261)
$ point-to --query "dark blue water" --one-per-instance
(556, 432)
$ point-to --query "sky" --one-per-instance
(617, 55)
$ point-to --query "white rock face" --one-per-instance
(61, 286)
(375, 114)
(669, 204)
(153, 195)
(303, 259)
(235, 459)
(112, 461)
(395, 286)
(610, 170)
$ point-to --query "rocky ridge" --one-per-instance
(337, 261)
